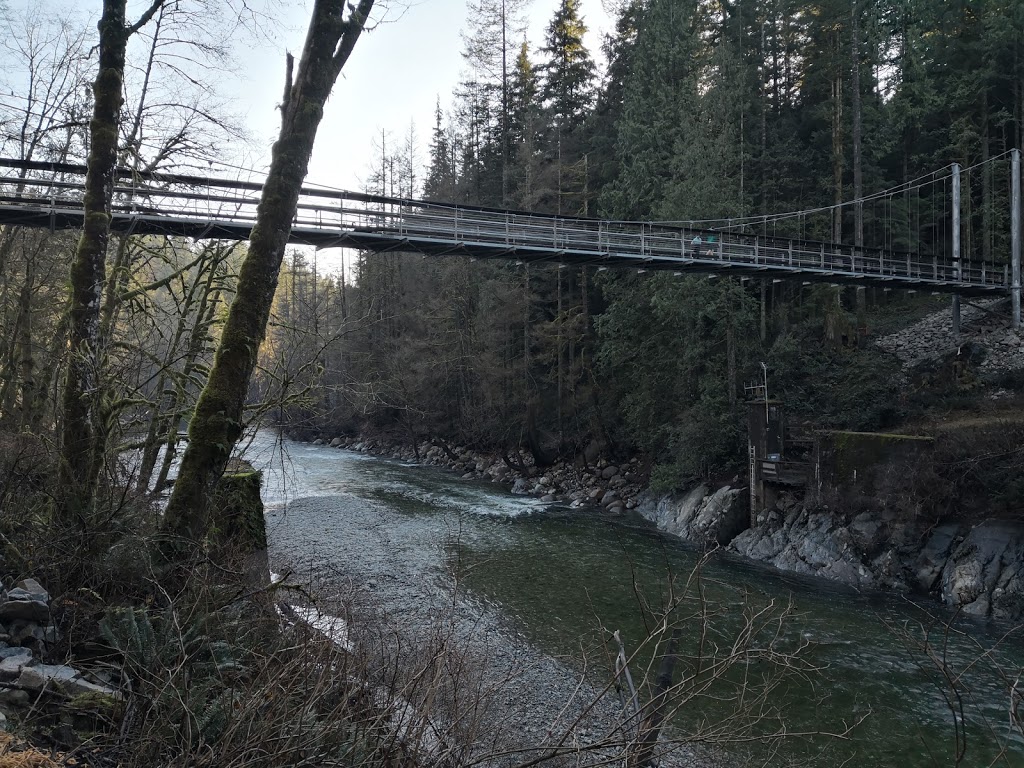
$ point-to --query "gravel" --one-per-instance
(385, 572)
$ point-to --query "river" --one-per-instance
(557, 576)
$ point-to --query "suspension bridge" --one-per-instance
(49, 195)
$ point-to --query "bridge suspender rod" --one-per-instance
(1015, 237)
(956, 245)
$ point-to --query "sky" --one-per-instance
(393, 78)
(392, 81)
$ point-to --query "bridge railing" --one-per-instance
(648, 242)
(521, 235)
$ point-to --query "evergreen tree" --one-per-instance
(568, 72)
(441, 172)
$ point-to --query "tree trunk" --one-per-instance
(217, 423)
(82, 389)
(858, 176)
(986, 184)
(25, 345)
(656, 707)
(730, 354)
(837, 157)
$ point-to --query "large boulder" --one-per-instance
(62, 677)
(931, 560)
(985, 574)
(700, 516)
(721, 517)
(814, 543)
(674, 513)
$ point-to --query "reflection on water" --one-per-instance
(559, 574)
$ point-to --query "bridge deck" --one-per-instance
(49, 196)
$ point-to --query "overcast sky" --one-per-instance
(394, 76)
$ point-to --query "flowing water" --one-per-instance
(559, 575)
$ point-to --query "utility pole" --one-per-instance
(1015, 237)
(956, 245)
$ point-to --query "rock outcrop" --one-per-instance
(977, 568)
(701, 516)
(985, 574)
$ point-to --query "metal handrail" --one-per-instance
(180, 198)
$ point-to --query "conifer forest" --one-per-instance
(270, 501)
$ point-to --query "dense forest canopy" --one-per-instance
(723, 112)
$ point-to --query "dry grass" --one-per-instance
(15, 753)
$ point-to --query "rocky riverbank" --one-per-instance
(612, 486)
(978, 568)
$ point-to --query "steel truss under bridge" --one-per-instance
(49, 195)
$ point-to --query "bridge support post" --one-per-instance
(1015, 238)
(956, 245)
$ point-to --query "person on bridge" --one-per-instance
(695, 245)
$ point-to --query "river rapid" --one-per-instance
(560, 579)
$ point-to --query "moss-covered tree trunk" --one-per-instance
(79, 465)
(217, 423)
(238, 538)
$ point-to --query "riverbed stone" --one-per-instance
(23, 610)
(13, 697)
(609, 472)
(11, 667)
(34, 590)
(65, 678)
(521, 486)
